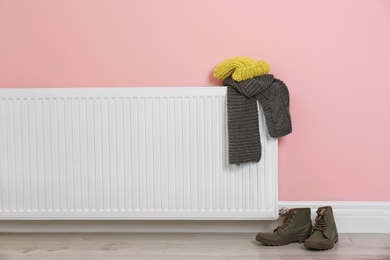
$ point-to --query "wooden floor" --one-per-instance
(75, 246)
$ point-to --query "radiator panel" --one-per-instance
(127, 153)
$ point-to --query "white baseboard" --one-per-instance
(137, 226)
(351, 217)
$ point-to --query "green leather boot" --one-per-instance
(324, 234)
(296, 227)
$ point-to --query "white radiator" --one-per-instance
(127, 153)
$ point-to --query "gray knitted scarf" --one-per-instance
(243, 122)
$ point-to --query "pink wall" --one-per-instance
(333, 55)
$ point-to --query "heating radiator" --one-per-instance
(127, 153)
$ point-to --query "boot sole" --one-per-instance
(322, 246)
(299, 239)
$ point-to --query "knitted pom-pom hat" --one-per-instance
(240, 68)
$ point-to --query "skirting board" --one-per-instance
(351, 217)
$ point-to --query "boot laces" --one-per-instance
(321, 221)
(288, 215)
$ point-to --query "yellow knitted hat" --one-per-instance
(240, 68)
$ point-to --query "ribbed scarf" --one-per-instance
(243, 122)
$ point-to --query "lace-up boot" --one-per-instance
(296, 227)
(324, 234)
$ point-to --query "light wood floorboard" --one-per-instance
(79, 246)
